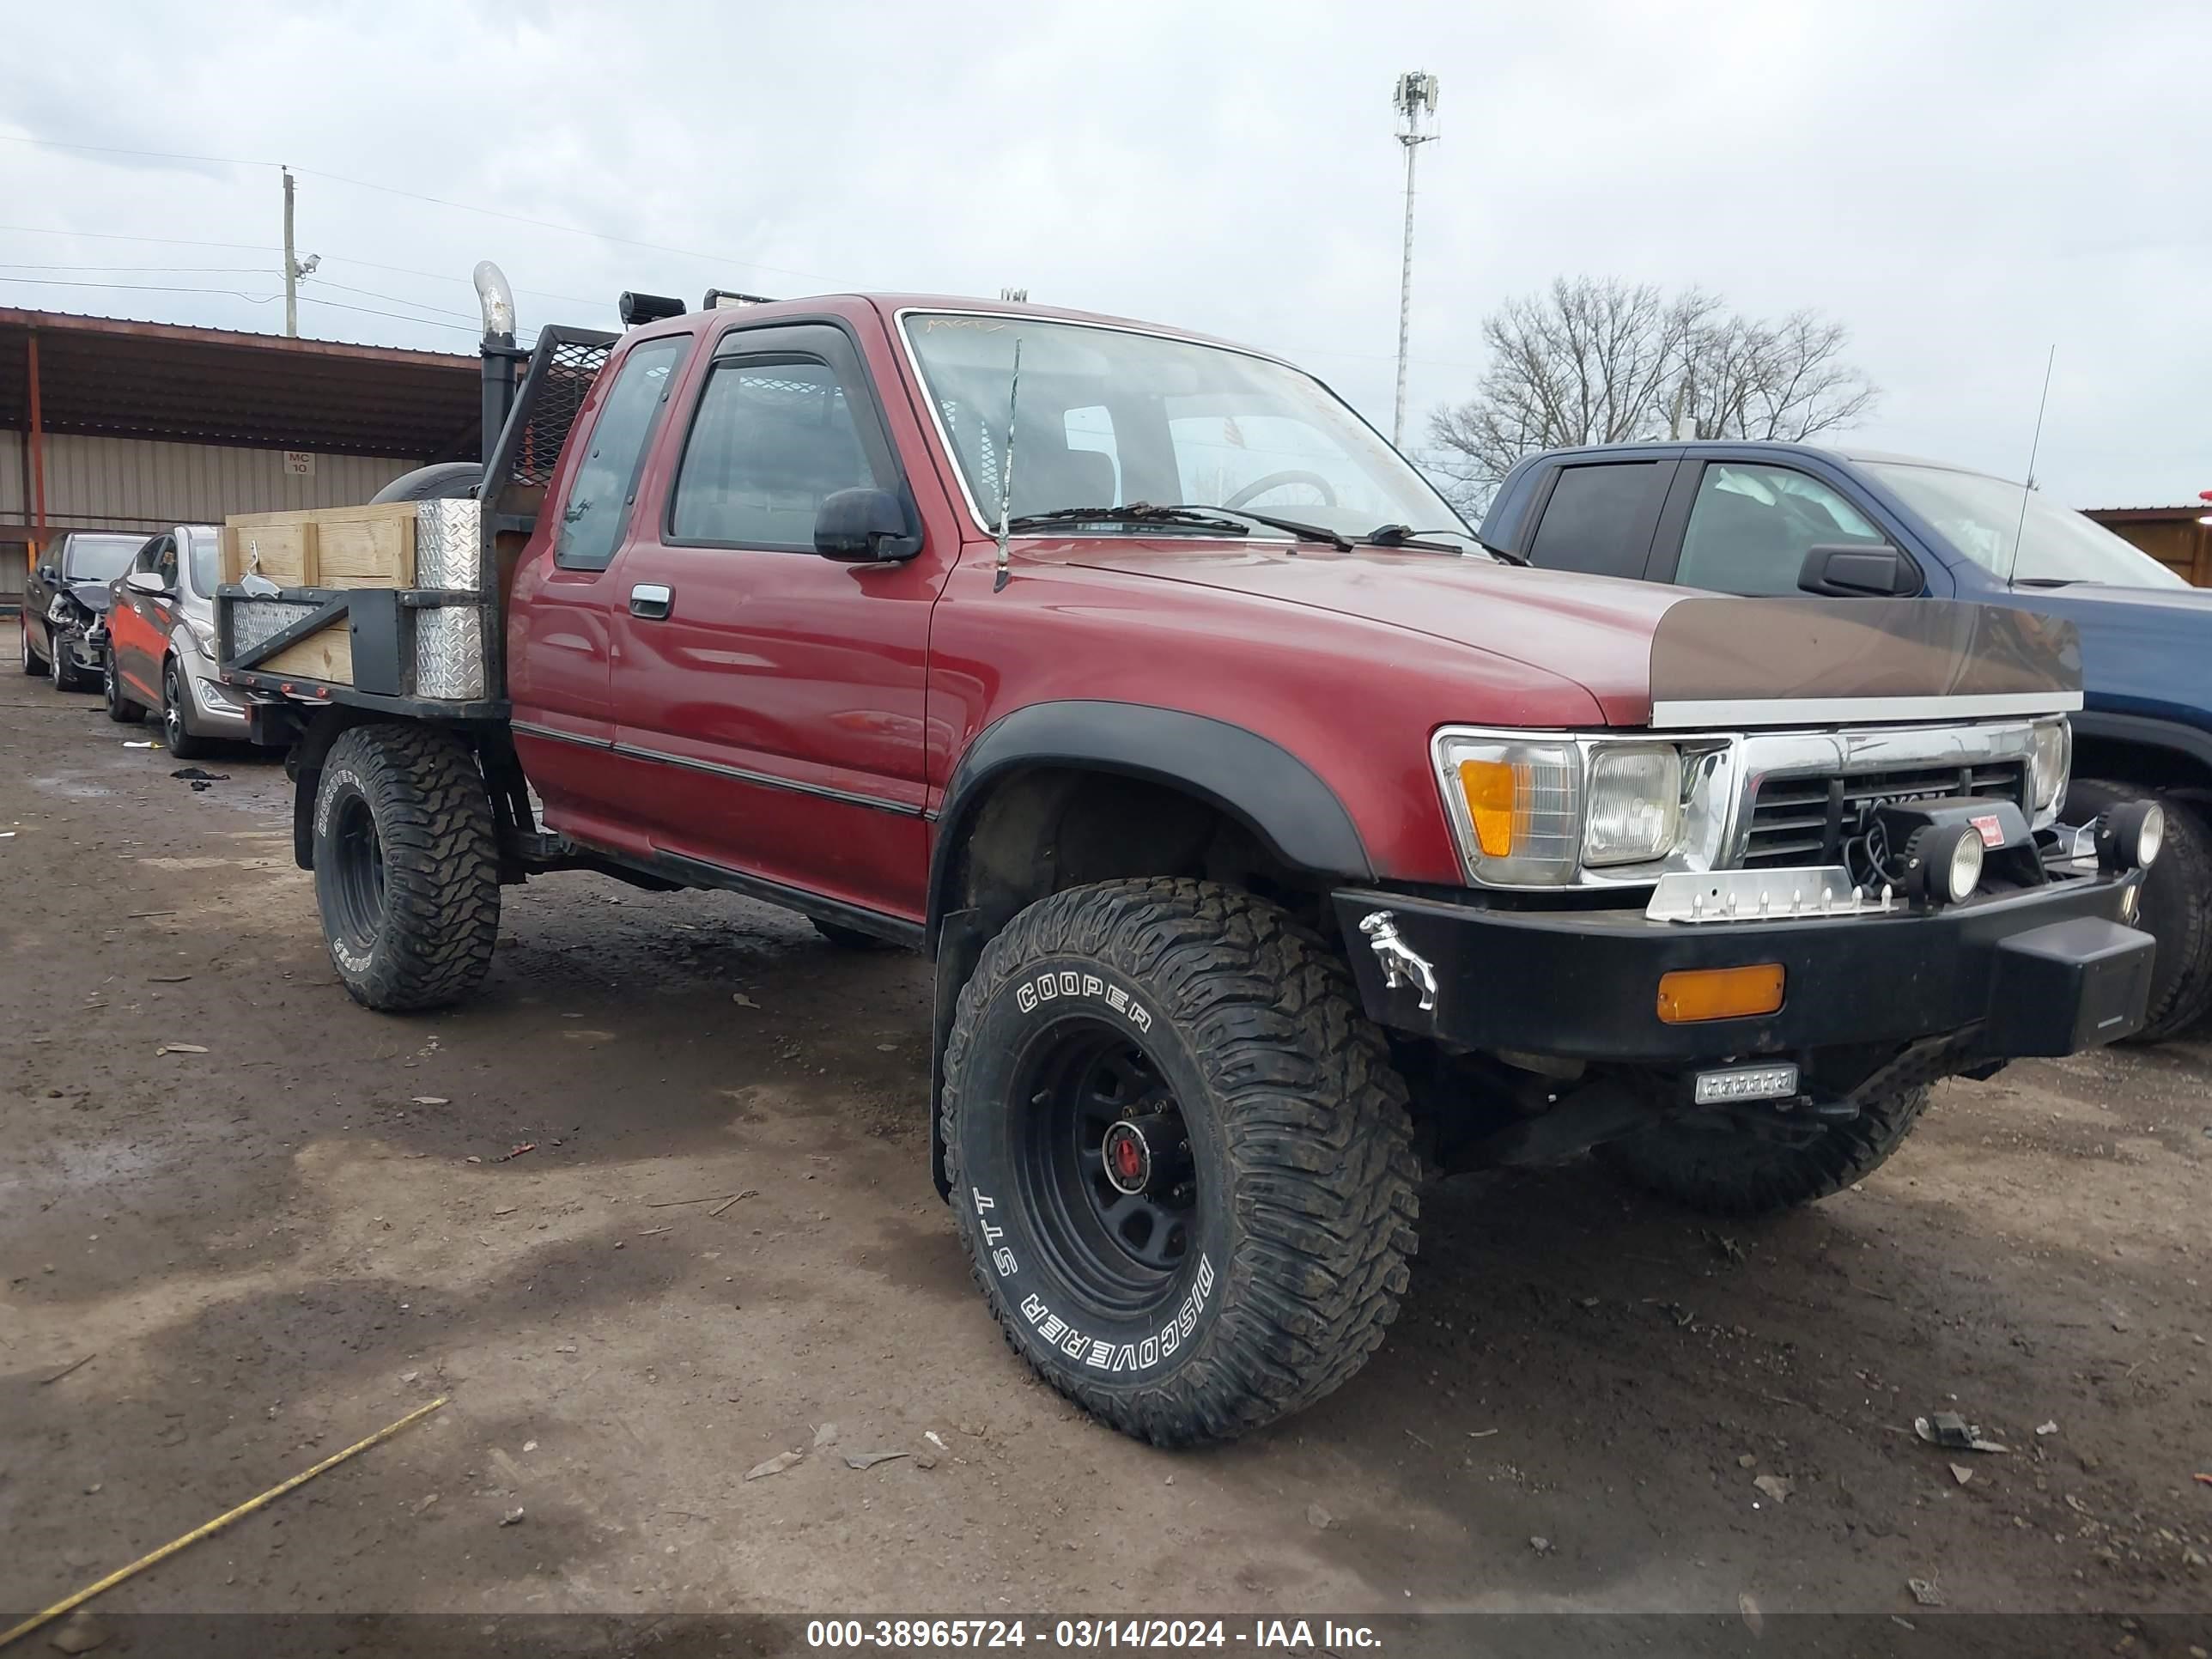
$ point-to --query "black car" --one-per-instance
(65, 602)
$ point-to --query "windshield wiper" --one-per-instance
(2045, 581)
(1182, 517)
(1304, 533)
(1399, 535)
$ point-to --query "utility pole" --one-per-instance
(1414, 97)
(291, 266)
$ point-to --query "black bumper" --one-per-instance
(2052, 970)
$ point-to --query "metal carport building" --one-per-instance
(109, 424)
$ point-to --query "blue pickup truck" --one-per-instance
(1791, 519)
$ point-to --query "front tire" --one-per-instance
(1179, 1159)
(2177, 903)
(1718, 1169)
(406, 867)
(176, 737)
(120, 708)
(63, 672)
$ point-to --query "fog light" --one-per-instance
(1693, 994)
(2131, 836)
(1943, 863)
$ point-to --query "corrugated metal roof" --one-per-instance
(111, 377)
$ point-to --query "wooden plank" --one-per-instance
(367, 552)
(281, 552)
(324, 655)
(369, 546)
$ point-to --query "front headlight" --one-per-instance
(1540, 811)
(1634, 812)
(2052, 760)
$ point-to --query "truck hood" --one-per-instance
(1592, 630)
(1661, 656)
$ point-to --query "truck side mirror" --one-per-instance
(1855, 570)
(863, 527)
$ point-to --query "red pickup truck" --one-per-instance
(1275, 842)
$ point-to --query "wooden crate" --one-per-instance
(323, 547)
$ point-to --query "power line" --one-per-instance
(143, 288)
(200, 270)
(166, 241)
(417, 196)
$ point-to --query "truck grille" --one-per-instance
(1804, 820)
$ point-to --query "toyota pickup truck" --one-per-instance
(1275, 845)
(1785, 518)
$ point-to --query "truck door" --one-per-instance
(561, 619)
(1741, 524)
(1597, 516)
(769, 701)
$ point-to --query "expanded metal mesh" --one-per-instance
(563, 382)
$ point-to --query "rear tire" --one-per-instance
(2177, 903)
(175, 736)
(447, 481)
(1243, 1257)
(1722, 1171)
(120, 708)
(406, 867)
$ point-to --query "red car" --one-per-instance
(1274, 841)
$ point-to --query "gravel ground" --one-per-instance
(256, 1255)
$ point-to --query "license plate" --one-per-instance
(1776, 1082)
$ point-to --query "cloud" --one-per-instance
(1963, 185)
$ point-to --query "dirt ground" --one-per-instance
(256, 1255)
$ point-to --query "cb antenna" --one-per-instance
(1006, 472)
(2033, 445)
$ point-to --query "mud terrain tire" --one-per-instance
(2177, 903)
(406, 870)
(1279, 1169)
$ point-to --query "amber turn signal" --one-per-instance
(1693, 995)
(1488, 786)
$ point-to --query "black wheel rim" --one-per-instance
(1102, 1158)
(172, 716)
(357, 871)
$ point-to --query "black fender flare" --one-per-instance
(304, 766)
(2145, 732)
(1254, 780)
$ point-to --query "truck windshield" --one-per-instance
(1982, 516)
(99, 558)
(1107, 417)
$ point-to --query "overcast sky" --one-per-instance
(1963, 183)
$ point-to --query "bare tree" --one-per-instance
(1590, 362)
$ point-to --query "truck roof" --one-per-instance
(889, 305)
(1780, 446)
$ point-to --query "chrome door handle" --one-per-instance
(651, 599)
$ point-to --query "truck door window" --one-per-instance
(1599, 518)
(772, 438)
(605, 481)
(1752, 525)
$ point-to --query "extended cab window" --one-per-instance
(1599, 518)
(772, 439)
(1752, 525)
(605, 481)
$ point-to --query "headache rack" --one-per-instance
(400, 605)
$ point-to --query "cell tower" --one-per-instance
(1415, 100)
